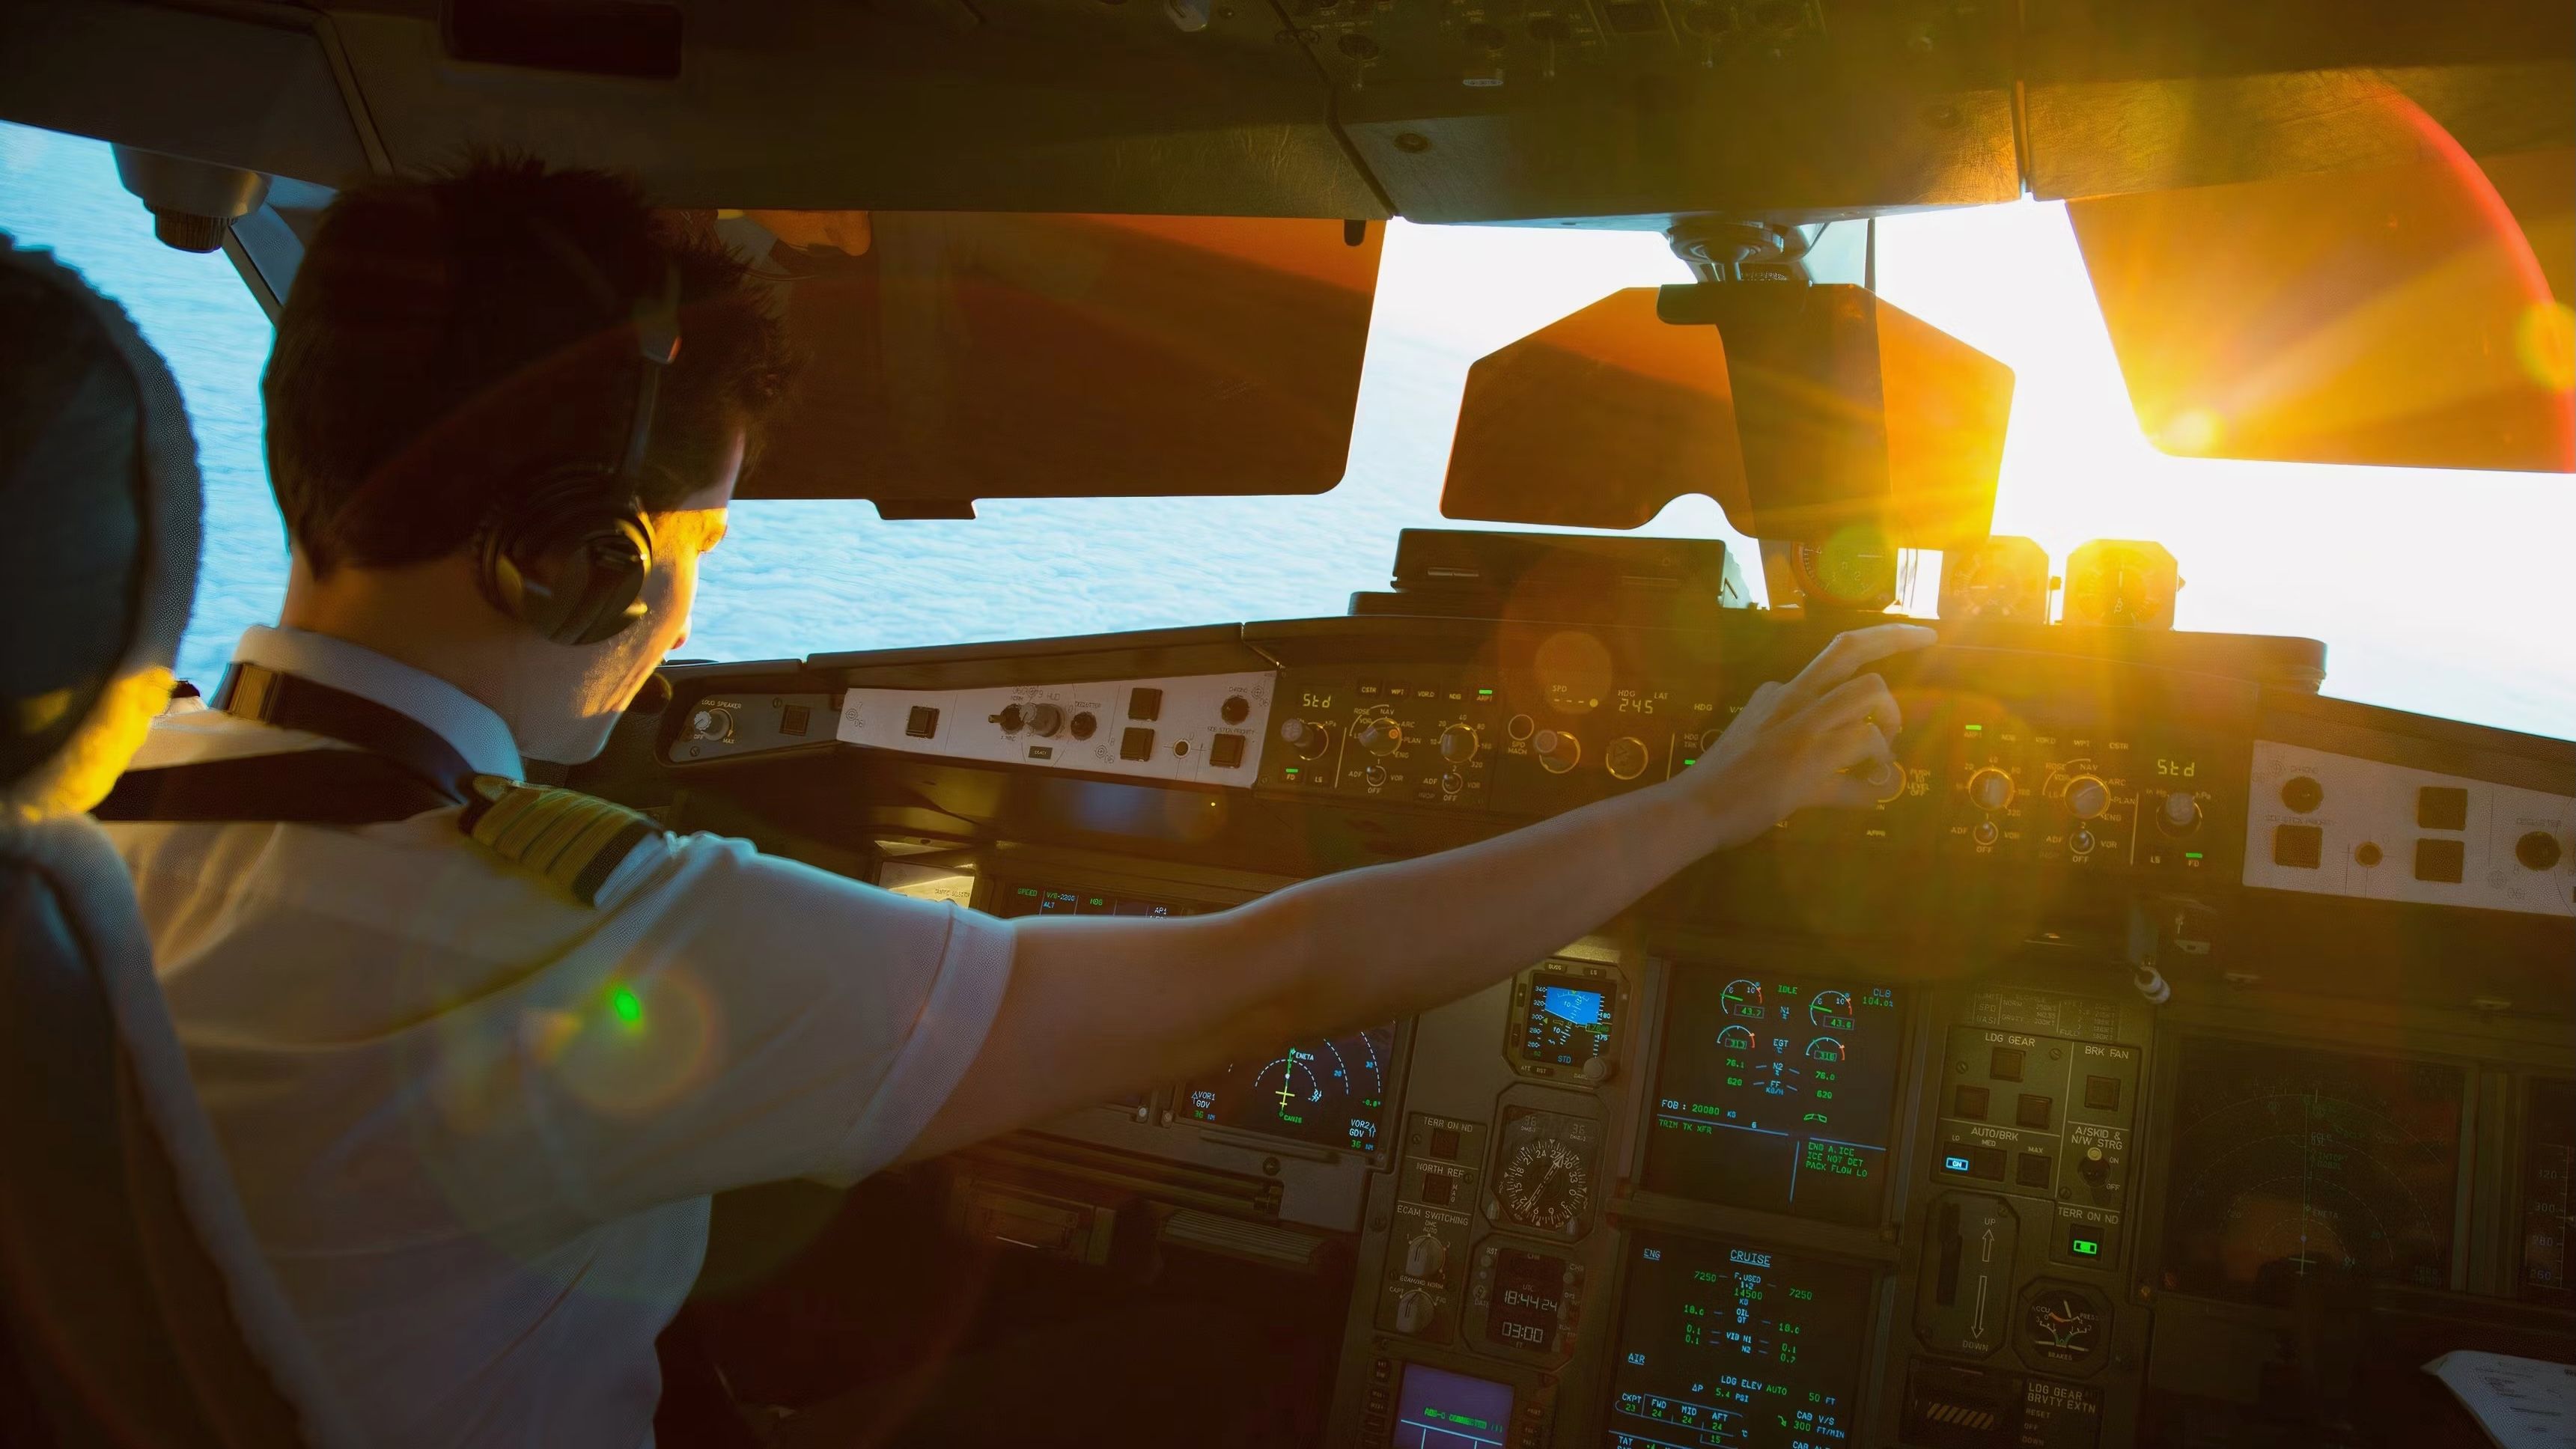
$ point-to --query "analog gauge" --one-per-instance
(1825, 1049)
(1831, 1009)
(1735, 1039)
(1742, 998)
(1546, 1178)
(2063, 1325)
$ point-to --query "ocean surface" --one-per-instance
(2466, 613)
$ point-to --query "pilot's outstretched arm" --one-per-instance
(1098, 1004)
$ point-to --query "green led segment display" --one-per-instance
(2084, 1247)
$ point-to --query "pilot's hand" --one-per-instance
(1823, 738)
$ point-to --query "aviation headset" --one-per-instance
(569, 554)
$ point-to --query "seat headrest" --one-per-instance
(98, 555)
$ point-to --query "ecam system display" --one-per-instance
(1776, 1094)
(1729, 1346)
(1437, 1409)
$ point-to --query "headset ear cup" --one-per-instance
(568, 566)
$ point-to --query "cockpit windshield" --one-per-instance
(2426, 598)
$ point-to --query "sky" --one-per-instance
(2447, 593)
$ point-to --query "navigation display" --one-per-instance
(1331, 1092)
(1727, 1346)
(2290, 1163)
(1776, 1094)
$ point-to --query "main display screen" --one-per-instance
(1727, 1346)
(1776, 1094)
(1331, 1091)
(2289, 1163)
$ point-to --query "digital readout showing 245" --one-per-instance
(1776, 1094)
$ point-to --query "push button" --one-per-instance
(1439, 1188)
(1968, 1102)
(2004, 1064)
(2298, 846)
(1225, 752)
(2033, 1170)
(2442, 807)
(1986, 1162)
(1444, 1143)
(1143, 703)
(922, 723)
(2102, 1094)
(2031, 1111)
(1136, 744)
(2438, 860)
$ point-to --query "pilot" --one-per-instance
(479, 1050)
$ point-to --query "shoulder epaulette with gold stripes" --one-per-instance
(575, 841)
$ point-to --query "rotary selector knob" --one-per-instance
(1556, 750)
(1012, 719)
(2180, 814)
(1045, 720)
(1235, 710)
(1375, 776)
(1990, 790)
(1626, 758)
(1308, 738)
(1380, 737)
(1458, 744)
(2538, 850)
(2087, 797)
(711, 722)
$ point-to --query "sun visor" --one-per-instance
(957, 356)
(1803, 410)
(2409, 316)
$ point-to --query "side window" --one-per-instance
(61, 192)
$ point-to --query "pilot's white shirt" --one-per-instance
(475, 1125)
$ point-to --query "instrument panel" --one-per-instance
(1770, 1161)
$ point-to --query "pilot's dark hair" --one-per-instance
(447, 340)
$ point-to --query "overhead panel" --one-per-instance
(251, 86)
(1804, 411)
(959, 356)
(1064, 105)
(1638, 110)
(2403, 316)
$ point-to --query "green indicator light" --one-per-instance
(628, 1006)
(1292, 772)
(1484, 694)
(2084, 1247)
(2191, 855)
(1690, 759)
(1975, 729)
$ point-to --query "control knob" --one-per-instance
(1458, 744)
(1309, 738)
(711, 722)
(1012, 719)
(1380, 736)
(2537, 850)
(2093, 1165)
(2180, 814)
(1045, 720)
(1990, 789)
(1626, 758)
(2087, 797)
(1425, 1256)
(1556, 750)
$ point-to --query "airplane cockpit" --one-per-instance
(2175, 1053)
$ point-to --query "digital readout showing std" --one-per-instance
(1776, 1094)
(1728, 1346)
